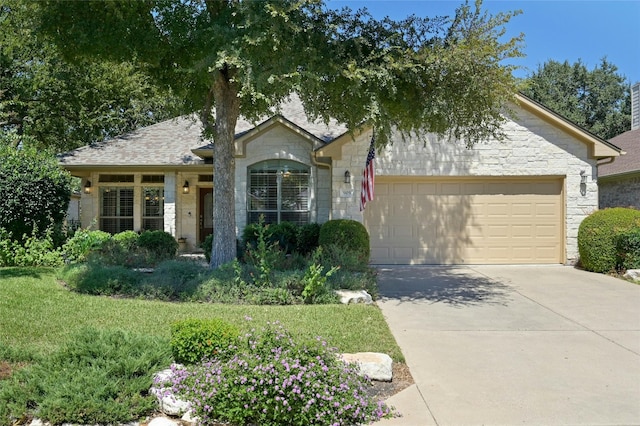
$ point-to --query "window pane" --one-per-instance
(153, 202)
(279, 189)
(295, 192)
(152, 209)
(116, 209)
(263, 192)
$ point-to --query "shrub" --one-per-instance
(628, 248)
(160, 244)
(34, 191)
(285, 234)
(315, 281)
(173, 280)
(274, 380)
(34, 250)
(345, 258)
(98, 377)
(128, 240)
(597, 237)
(250, 234)
(347, 234)
(193, 340)
(207, 246)
(307, 239)
(83, 242)
(99, 279)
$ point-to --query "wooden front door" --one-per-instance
(205, 212)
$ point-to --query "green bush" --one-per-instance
(173, 280)
(285, 234)
(347, 234)
(160, 244)
(99, 279)
(597, 237)
(628, 247)
(250, 234)
(98, 377)
(193, 340)
(307, 238)
(274, 380)
(34, 250)
(207, 246)
(34, 191)
(128, 240)
(83, 242)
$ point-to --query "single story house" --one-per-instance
(619, 179)
(511, 202)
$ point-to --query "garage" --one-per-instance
(422, 220)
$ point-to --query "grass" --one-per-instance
(37, 315)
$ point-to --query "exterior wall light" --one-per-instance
(185, 187)
(583, 176)
(87, 187)
(347, 177)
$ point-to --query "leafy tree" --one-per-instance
(598, 100)
(50, 103)
(227, 57)
(34, 192)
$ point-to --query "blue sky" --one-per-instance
(559, 30)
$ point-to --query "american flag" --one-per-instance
(366, 192)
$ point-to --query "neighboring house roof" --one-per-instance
(173, 142)
(629, 163)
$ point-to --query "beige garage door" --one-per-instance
(466, 221)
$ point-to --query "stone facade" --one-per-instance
(533, 148)
(537, 146)
(620, 191)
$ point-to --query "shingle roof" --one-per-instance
(170, 142)
(629, 142)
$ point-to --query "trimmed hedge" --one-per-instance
(348, 234)
(597, 237)
(628, 245)
(193, 340)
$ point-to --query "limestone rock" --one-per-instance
(163, 421)
(351, 296)
(169, 404)
(374, 365)
(633, 274)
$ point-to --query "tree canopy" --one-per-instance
(227, 58)
(598, 100)
(50, 103)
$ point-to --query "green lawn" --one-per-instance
(37, 314)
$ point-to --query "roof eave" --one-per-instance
(598, 148)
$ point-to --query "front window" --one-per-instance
(279, 190)
(153, 209)
(116, 209)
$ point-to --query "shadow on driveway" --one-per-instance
(454, 285)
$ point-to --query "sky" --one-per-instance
(563, 30)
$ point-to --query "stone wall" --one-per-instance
(533, 148)
(282, 143)
(620, 192)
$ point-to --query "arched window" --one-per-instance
(279, 190)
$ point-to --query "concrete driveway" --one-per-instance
(508, 345)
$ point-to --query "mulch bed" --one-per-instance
(402, 379)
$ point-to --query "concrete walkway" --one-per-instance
(509, 345)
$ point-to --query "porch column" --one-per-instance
(170, 203)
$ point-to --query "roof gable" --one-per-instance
(179, 142)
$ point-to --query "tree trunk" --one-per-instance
(227, 105)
